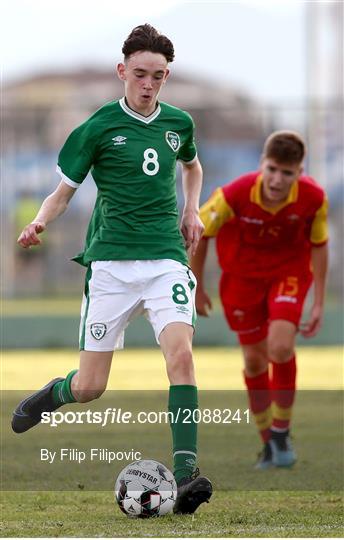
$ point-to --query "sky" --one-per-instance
(257, 46)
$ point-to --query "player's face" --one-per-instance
(143, 74)
(278, 179)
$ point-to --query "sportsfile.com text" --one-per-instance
(120, 416)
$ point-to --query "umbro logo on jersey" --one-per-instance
(173, 140)
(119, 140)
(252, 220)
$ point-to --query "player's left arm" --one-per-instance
(191, 225)
(319, 259)
(320, 263)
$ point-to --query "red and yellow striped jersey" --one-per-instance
(254, 240)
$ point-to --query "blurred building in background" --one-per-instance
(325, 117)
(325, 79)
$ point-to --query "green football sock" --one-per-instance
(184, 434)
(62, 392)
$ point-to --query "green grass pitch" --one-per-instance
(305, 501)
(237, 514)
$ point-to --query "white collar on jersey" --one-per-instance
(138, 116)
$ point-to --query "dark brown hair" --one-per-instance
(284, 147)
(147, 38)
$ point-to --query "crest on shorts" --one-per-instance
(98, 330)
(173, 140)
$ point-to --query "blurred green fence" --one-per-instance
(58, 331)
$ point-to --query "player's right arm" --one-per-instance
(214, 213)
(52, 207)
(75, 160)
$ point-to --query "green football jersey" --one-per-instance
(132, 159)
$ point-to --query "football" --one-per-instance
(145, 488)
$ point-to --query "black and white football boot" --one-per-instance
(29, 411)
(191, 492)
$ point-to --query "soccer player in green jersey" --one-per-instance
(135, 251)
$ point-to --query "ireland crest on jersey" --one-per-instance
(173, 140)
(98, 330)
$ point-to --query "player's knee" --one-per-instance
(180, 363)
(255, 369)
(255, 363)
(280, 352)
(84, 393)
(84, 396)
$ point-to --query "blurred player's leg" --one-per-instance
(256, 376)
(281, 343)
(286, 299)
(257, 383)
(245, 306)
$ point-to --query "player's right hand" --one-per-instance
(29, 235)
(203, 303)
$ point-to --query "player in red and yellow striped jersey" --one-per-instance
(271, 237)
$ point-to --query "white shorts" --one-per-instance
(118, 291)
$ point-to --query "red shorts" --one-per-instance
(249, 304)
